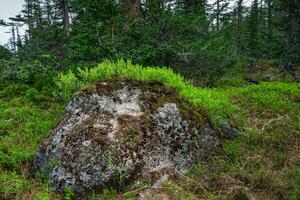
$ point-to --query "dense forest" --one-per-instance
(196, 37)
(236, 63)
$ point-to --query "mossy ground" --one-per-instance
(263, 162)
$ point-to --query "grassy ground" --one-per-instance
(25, 119)
(263, 162)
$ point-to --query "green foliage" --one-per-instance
(108, 193)
(279, 97)
(35, 73)
(12, 185)
(54, 163)
(32, 73)
(263, 157)
(122, 175)
(23, 124)
(42, 196)
(131, 195)
(291, 176)
(33, 94)
(45, 194)
(197, 170)
(232, 150)
(14, 90)
(131, 133)
(263, 160)
(5, 54)
(68, 83)
(214, 101)
(69, 193)
(230, 81)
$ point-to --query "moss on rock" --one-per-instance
(119, 130)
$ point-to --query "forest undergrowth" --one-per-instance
(262, 162)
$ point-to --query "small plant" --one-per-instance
(12, 184)
(232, 150)
(110, 160)
(263, 179)
(32, 94)
(68, 83)
(169, 187)
(122, 175)
(131, 195)
(208, 196)
(42, 196)
(45, 194)
(53, 163)
(14, 90)
(279, 159)
(198, 169)
(93, 196)
(131, 133)
(108, 193)
(41, 175)
(69, 193)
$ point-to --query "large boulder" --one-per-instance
(118, 131)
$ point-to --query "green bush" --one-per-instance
(14, 90)
(33, 94)
(5, 54)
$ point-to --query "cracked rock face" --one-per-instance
(116, 132)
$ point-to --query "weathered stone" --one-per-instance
(229, 131)
(119, 131)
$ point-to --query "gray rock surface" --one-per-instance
(115, 132)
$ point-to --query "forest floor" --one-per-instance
(262, 162)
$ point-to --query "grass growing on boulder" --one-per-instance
(214, 101)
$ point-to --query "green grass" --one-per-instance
(24, 121)
(263, 161)
(12, 185)
(214, 101)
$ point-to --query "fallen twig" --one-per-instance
(272, 120)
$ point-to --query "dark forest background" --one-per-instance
(204, 40)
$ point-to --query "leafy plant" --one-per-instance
(12, 185)
(69, 193)
(108, 193)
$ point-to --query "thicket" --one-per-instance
(203, 40)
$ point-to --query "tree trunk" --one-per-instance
(269, 19)
(238, 26)
(218, 14)
(66, 17)
(13, 39)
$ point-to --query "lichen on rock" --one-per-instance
(118, 131)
